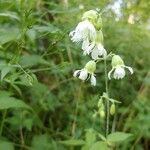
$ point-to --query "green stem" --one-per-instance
(107, 100)
(3, 121)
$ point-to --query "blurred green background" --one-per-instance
(40, 101)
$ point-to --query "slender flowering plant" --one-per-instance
(89, 34)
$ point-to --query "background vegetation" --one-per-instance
(41, 103)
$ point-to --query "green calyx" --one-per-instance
(94, 17)
(117, 61)
(91, 15)
(90, 66)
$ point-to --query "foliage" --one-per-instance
(41, 105)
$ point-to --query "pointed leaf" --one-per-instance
(11, 102)
(118, 137)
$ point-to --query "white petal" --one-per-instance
(101, 49)
(71, 33)
(119, 73)
(110, 72)
(76, 72)
(129, 68)
(85, 46)
(84, 29)
(93, 80)
(91, 46)
(95, 53)
(83, 75)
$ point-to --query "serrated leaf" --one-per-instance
(118, 137)
(99, 146)
(7, 102)
(73, 142)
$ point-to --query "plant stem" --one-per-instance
(3, 121)
(107, 100)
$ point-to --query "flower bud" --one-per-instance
(112, 109)
(102, 114)
(117, 61)
(90, 66)
(91, 15)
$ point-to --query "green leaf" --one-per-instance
(99, 146)
(5, 71)
(118, 137)
(90, 137)
(8, 34)
(7, 102)
(102, 137)
(4, 145)
(48, 29)
(113, 100)
(85, 147)
(41, 142)
(12, 15)
(32, 60)
(73, 142)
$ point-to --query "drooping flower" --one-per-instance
(87, 72)
(84, 32)
(96, 48)
(118, 68)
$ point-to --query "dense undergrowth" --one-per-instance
(41, 104)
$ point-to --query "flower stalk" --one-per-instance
(107, 100)
(89, 34)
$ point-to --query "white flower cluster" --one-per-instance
(88, 32)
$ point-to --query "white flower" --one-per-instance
(95, 47)
(93, 80)
(96, 50)
(118, 67)
(119, 71)
(84, 32)
(87, 72)
(83, 74)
